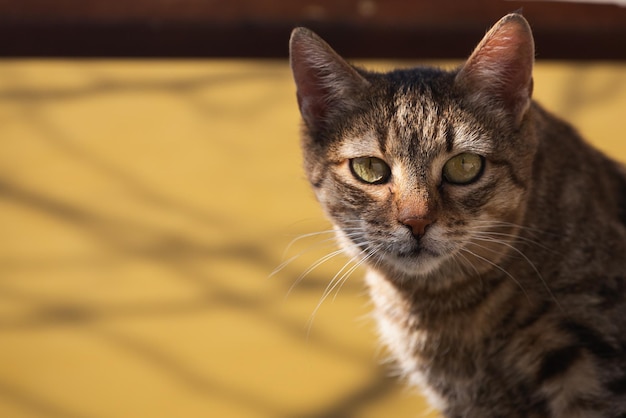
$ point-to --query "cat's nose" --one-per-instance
(417, 225)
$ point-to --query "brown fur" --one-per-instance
(509, 298)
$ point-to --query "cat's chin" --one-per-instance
(419, 264)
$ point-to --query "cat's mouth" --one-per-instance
(417, 263)
(418, 251)
(395, 251)
(412, 247)
(417, 259)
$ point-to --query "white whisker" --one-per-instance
(344, 278)
(512, 237)
(533, 266)
(505, 224)
(312, 267)
(338, 279)
(309, 249)
(499, 268)
(467, 262)
(304, 236)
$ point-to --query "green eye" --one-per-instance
(370, 170)
(463, 169)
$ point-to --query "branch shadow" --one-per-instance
(35, 404)
(181, 255)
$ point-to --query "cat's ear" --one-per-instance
(498, 74)
(326, 84)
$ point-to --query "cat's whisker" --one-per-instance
(317, 263)
(312, 267)
(305, 236)
(340, 280)
(351, 260)
(467, 262)
(310, 248)
(495, 265)
(513, 237)
(344, 278)
(506, 224)
(334, 282)
(532, 265)
(491, 225)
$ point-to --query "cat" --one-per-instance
(493, 236)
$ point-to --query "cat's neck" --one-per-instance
(466, 299)
(439, 332)
(558, 213)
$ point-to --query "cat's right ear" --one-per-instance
(326, 84)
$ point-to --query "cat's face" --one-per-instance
(417, 182)
(419, 170)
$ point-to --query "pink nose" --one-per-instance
(417, 225)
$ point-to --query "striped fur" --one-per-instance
(513, 301)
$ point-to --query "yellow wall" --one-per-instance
(143, 206)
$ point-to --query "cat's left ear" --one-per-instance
(498, 74)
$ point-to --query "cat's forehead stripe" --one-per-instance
(404, 113)
(449, 132)
(418, 127)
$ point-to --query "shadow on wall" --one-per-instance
(147, 192)
(79, 214)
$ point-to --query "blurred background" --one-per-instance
(151, 183)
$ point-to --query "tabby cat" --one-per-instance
(493, 235)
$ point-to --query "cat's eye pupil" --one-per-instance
(370, 170)
(463, 168)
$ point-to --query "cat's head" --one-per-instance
(421, 169)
